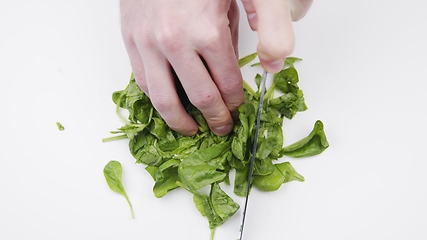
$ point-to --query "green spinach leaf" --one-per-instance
(315, 143)
(283, 173)
(217, 207)
(203, 168)
(113, 175)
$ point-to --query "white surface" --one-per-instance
(363, 75)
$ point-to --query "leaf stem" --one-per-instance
(212, 233)
(130, 205)
(269, 94)
(109, 139)
(249, 89)
(119, 100)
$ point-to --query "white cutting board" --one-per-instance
(363, 74)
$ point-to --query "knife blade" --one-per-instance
(254, 149)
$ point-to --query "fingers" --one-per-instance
(203, 92)
(163, 94)
(251, 13)
(216, 89)
(275, 33)
(234, 17)
(127, 29)
(137, 66)
(273, 21)
(225, 71)
(157, 41)
(153, 75)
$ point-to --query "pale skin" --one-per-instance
(199, 40)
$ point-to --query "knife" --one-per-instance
(251, 166)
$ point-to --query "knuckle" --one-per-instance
(204, 100)
(232, 87)
(169, 39)
(211, 42)
(137, 37)
(162, 103)
(233, 95)
(142, 39)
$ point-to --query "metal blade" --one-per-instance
(251, 166)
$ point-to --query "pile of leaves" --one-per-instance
(205, 160)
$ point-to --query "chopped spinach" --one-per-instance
(217, 207)
(205, 159)
(315, 143)
(59, 126)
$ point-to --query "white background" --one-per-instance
(363, 75)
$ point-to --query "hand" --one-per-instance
(272, 19)
(184, 35)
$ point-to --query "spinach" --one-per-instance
(60, 127)
(282, 173)
(247, 59)
(113, 175)
(204, 159)
(315, 143)
(204, 167)
(217, 207)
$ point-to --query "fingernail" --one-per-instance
(223, 130)
(188, 132)
(251, 16)
(275, 66)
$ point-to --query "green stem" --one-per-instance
(130, 205)
(122, 94)
(212, 233)
(269, 94)
(249, 89)
(109, 139)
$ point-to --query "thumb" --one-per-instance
(275, 33)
